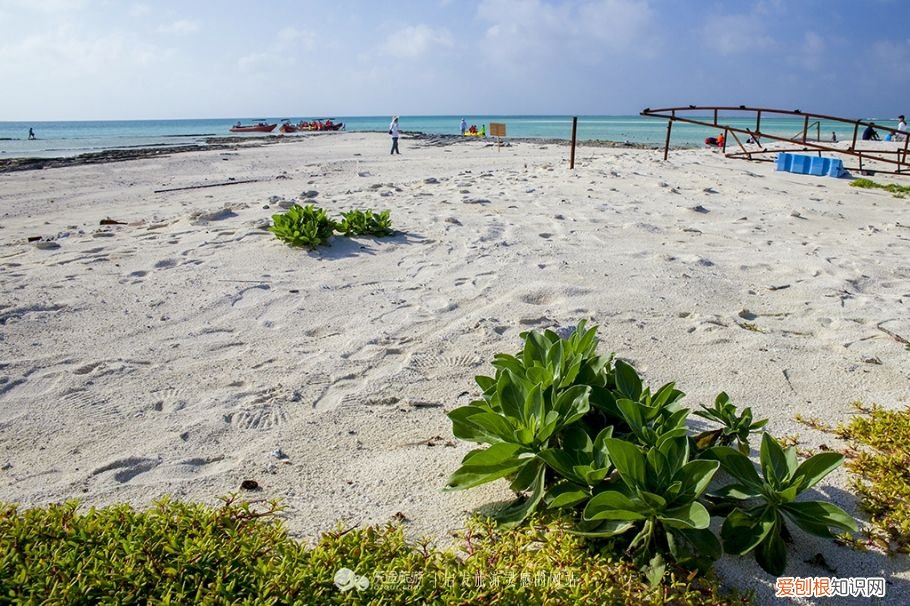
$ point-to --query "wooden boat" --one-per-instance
(320, 125)
(262, 127)
(287, 127)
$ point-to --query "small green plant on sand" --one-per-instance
(735, 427)
(309, 226)
(762, 527)
(181, 553)
(305, 226)
(580, 433)
(899, 191)
(879, 458)
(365, 223)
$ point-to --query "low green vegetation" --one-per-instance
(575, 431)
(734, 427)
(179, 553)
(305, 226)
(365, 223)
(309, 226)
(879, 459)
(899, 191)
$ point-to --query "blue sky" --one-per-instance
(107, 59)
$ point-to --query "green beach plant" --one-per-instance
(583, 435)
(762, 527)
(877, 458)
(658, 500)
(524, 408)
(185, 553)
(365, 223)
(899, 191)
(736, 428)
(306, 226)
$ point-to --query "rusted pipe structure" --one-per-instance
(710, 116)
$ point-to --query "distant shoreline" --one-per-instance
(8, 165)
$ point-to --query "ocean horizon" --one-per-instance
(71, 138)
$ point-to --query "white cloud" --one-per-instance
(45, 6)
(737, 34)
(183, 26)
(291, 38)
(65, 52)
(140, 10)
(522, 32)
(415, 41)
(810, 54)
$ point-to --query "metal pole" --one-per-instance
(572, 152)
(805, 129)
(758, 123)
(906, 141)
(667, 144)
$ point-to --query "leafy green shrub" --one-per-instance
(532, 397)
(311, 227)
(580, 432)
(178, 553)
(303, 226)
(735, 427)
(658, 499)
(761, 527)
(878, 461)
(365, 223)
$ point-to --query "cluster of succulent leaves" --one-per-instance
(578, 431)
(309, 226)
(305, 226)
(365, 223)
(180, 553)
(879, 453)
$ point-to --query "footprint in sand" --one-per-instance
(128, 468)
(262, 417)
(250, 296)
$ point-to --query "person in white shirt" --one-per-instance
(901, 128)
(393, 130)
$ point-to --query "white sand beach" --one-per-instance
(176, 353)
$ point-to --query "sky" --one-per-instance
(163, 59)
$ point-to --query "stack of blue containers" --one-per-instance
(810, 165)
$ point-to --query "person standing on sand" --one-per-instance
(901, 128)
(464, 126)
(393, 130)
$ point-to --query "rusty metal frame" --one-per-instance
(899, 162)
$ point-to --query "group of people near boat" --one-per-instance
(473, 131)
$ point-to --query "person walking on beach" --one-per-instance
(393, 130)
(31, 135)
(464, 126)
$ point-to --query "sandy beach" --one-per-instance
(185, 349)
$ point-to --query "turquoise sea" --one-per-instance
(73, 138)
